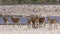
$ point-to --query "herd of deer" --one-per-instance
(33, 20)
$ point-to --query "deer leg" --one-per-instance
(44, 24)
(50, 26)
(40, 25)
(18, 24)
(5, 24)
(31, 24)
(14, 25)
(28, 25)
(36, 24)
(55, 26)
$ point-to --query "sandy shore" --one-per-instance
(24, 30)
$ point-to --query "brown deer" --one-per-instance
(15, 20)
(5, 19)
(31, 21)
(36, 21)
(52, 21)
(40, 21)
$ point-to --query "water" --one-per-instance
(24, 20)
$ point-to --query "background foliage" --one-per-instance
(10, 2)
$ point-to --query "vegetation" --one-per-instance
(10, 2)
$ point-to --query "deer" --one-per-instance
(40, 21)
(15, 20)
(52, 21)
(5, 19)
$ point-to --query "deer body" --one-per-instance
(52, 21)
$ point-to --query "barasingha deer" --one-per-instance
(15, 20)
(39, 21)
(52, 21)
(29, 20)
(5, 19)
(36, 21)
(33, 19)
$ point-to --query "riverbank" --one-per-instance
(24, 30)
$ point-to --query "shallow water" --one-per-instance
(24, 20)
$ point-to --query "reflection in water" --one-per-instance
(24, 20)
